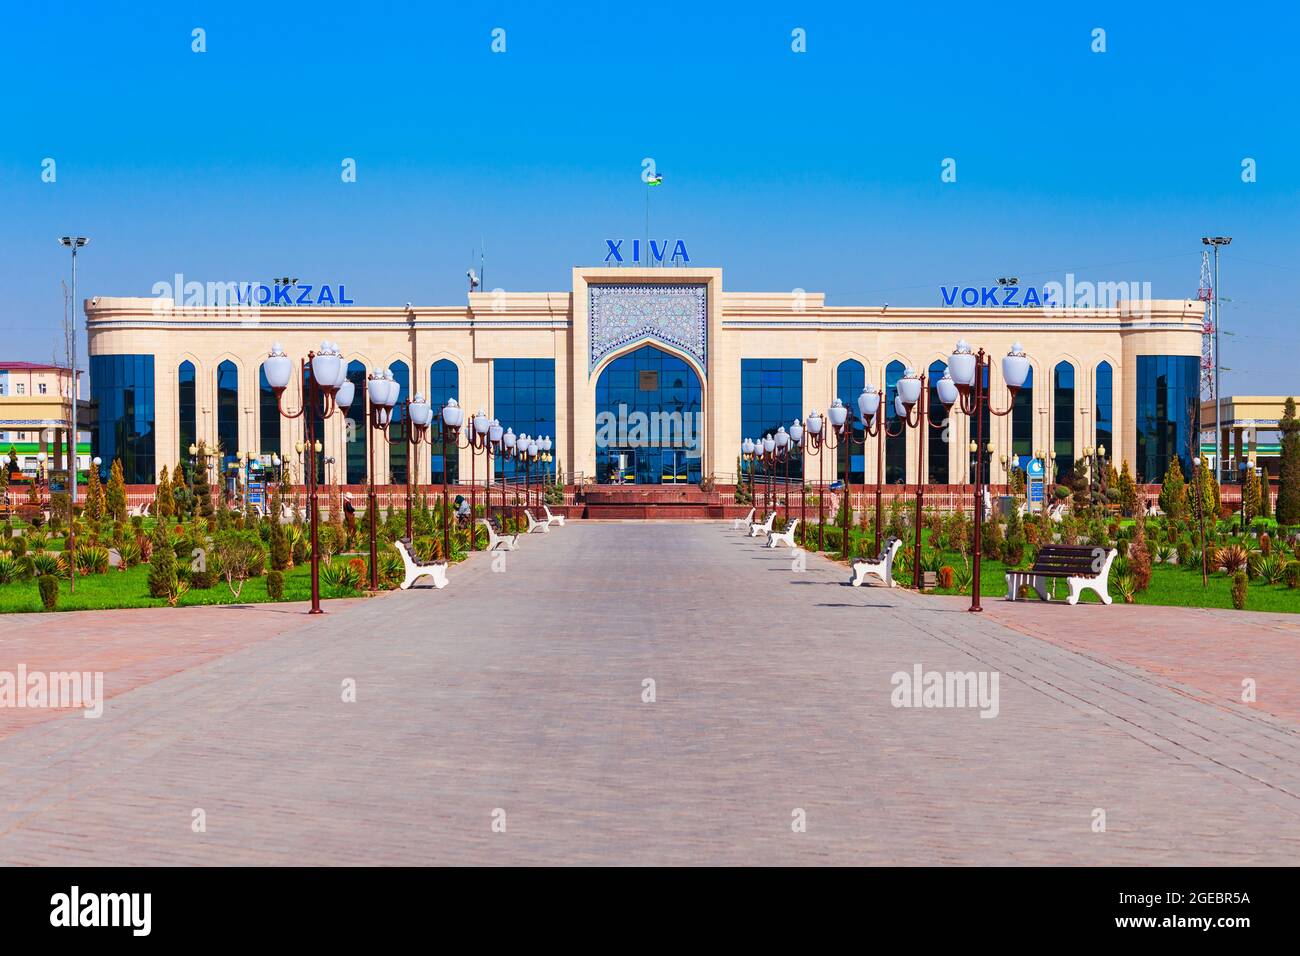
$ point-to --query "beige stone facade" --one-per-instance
(556, 325)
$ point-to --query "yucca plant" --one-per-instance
(1233, 558)
(1267, 567)
(92, 559)
(49, 563)
(130, 553)
(340, 577)
(961, 578)
(9, 569)
(391, 569)
(1126, 586)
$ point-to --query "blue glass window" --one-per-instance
(850, 377)
(936, 451)
(523, 399)
(397, 429)
(649, 419)
(1022, 419)
(359, 432)
(1063, 419)
(318, 423)
(771, 395)
(1168, 411)
(1105, 407)
(269, 415)
(227, 412)
(444, 384)
(123, 387)
(188, 409)
(895, 445)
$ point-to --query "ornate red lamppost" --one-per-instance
(323, 377)
(748, 452)
(382, 390)
(477, 440)
(910, 411)
(969, 377)
(820, 440)
(798, 436)
(418, 414)
(452, 417)
(913, 396)
(509, 450)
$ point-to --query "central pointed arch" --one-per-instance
(649, 416)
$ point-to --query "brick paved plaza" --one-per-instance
(522, 692)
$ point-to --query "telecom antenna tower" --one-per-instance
(1206, 294)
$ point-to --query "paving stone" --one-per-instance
(522, 691)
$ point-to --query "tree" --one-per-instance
(163, 503)
(1173, 492)
(281, 553)
(1209, 490)
(1250, 498)
(1128, 496)
(182, 497)
(202, 493)
(94, 497)
(1288, 482)
(116, 498)
(162, 565)
(1139, 557)
(237, 554)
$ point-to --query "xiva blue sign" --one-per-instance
(294, 295)
(657, 251)
(996, 296)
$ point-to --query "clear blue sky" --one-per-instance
(818, 170)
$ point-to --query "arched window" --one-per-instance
(771, 396)
(444, 383)
(227, 412)
(648, 385)
(1022, 419)
(268, 415)
(188, 409)
(936, 451)
(359, 433)
(895, 445)
(849, 380)
(1105, 414)
(397, 430)
(1063, 419)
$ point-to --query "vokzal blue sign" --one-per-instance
(996, 296)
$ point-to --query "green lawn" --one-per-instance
(1171, 585)
(130, 588)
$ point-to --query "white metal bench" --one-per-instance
(1084, 568)
(138, 511)
(503, 542)
(786, 536)
(882, 567)
(534, 524)
(553, 519)
(744, 522)
(755, 529)
(415, 570)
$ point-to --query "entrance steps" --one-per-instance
(652, 501)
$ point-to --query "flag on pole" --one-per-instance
(655, 180)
